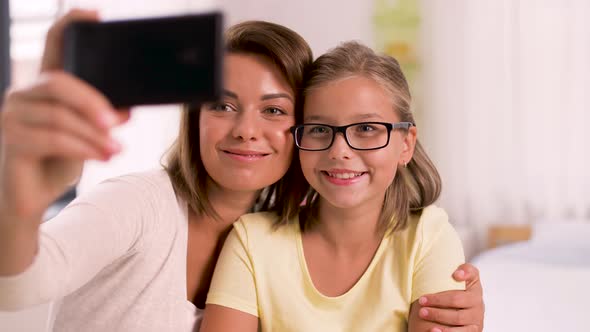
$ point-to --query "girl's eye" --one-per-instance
(317, 130)
(365, 128)
(274, 111)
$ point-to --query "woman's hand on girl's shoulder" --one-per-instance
(458, 310)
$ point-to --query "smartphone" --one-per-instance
(162, 60)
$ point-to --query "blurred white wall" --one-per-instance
(322, 23)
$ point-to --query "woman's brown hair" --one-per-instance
(415, 186)
(292, 56)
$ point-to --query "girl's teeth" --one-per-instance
(344, 175)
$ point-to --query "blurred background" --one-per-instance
(501, 96)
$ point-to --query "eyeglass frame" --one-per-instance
(342, 129)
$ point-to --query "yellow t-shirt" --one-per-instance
(263, 272)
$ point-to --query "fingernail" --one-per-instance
(436, 329)
(114, 146)
(423, 312)
(422, 300)
(108, 119)
(460, 273)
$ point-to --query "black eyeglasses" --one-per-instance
(359, 136)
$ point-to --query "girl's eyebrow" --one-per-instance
(369, 116)
(363, 116)
(313, 118)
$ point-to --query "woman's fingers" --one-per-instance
(37, 114)
(123, 115)
(44, 142)
(67, 107)
(471, 297)
(78, 95)
(468, 328)
(52, 55)
(468, 273)
(456, 299)
(449, 317)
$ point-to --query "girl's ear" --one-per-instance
(408, 145)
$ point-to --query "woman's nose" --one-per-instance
(246, 127)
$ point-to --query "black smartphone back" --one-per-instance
(176, 59)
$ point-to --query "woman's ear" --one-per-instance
(408, 145)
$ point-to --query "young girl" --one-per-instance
(368, 229)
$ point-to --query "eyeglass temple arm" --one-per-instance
(405, 125)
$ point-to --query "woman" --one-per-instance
(137, 253)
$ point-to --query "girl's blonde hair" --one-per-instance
(415, 186)
(292, 56)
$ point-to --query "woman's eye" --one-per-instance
(274, 111)
(220, 108)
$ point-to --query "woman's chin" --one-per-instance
(235, 183)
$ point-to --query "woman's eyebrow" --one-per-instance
(230, 94)
(267, 96)
(276, 95)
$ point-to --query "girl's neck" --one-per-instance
(349, 229)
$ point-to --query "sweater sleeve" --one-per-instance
(92, 232)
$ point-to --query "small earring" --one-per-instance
(406, 164)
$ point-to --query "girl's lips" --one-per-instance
(343, 177)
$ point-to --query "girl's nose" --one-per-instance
(339, 148)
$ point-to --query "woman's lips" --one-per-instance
(245, 155)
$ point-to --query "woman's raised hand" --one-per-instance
(47, 131)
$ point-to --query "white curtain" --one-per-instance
(505, 109)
